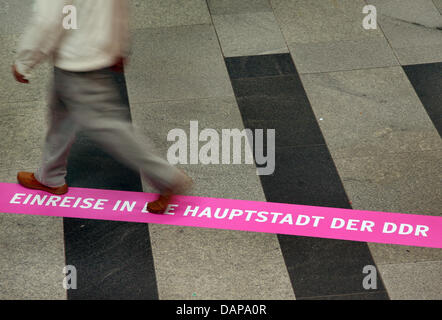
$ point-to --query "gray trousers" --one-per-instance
(92, 102)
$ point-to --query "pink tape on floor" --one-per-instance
(268, 217)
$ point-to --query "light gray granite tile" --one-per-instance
(12, 91)
(236, 7)
(14, 15)
(22, 128)
(413, 27)
(331, 56)
(176, 63)
(31, 253)
(309, 21)
(249, 34)
(197, 263)
(370, 113)
(397, 182)
(418, 55)
(393, 254)
(413, 281)
(168, 13)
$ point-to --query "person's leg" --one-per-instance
(59, 139)
(96, 104)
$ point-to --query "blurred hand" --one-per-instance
(18, 76)
(119, 65)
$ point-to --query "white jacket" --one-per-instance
(102, 35)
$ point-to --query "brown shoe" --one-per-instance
(27, 180)
(158, 206)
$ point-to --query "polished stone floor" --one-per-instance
(357, 115)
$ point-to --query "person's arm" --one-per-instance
(124, 29)
(41, 37)
(123, 37)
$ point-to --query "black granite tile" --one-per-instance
(278, 103)
(113, 259)
(282, 87)
(296, 133)
(89, 166)
(309, 163)
(274, 108)
(290, 193)
(260, 66)
(321, 267)
(427, 82)
(437, 121)
(304, 174)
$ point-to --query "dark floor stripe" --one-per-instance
(270, 95)
(427, 82)
(113, 259)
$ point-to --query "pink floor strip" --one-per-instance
(268, 217)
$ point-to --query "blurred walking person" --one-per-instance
(85, 95)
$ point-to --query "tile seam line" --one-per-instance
(345, 294)
(4, 35)
(280, 50)
(422, 46)
(387, 153)
(183, 99)
(409, 263)
(417, 24)
(395, 48)
(268, 11)
(349, 70)
(426, 129)
(286, 75)
(217, 37)
(301, 146)
(241, 14)
(386, 38)
(170, 27)
(319, 72)
(280, 30)
(380, 36)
